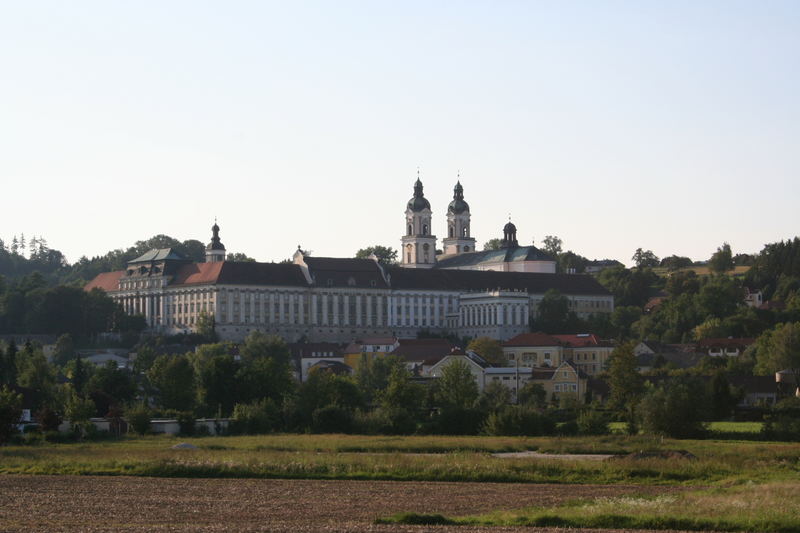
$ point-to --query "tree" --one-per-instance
(110, 385)
(722, 260)
(79, 411)
(206, 327)
(457, 387)
(495, 396)
(34, 372)
(65, 349)
(385, 255)
(8, 364)
(532, 394)
(488, 348)
(779, 349)
(675, 410)
(10, 413)
(624, 380)
(239, 257)
(554, 315)
(644, 258)
(552, 245)
(492, 244)
(400, 393)
(675, 262)
(722, 399)
(173, 378)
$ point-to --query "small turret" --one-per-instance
(215, 250)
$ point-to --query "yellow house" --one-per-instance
(369, 348)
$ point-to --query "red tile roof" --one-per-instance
(108, 281)
(198, 273)
(579, 341)
(743, 342)
(423, 349)
(533, 339)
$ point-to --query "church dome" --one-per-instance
(509, 228)
(215, 243)
(458, 205)
(418, 202)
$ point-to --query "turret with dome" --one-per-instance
(458, 238)
(419, 245)
(215, 250)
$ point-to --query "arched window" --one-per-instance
(464, 232)
(424, 229)
(451, 232)
(410, 230)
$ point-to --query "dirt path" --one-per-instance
(556, 456)
(92, 504)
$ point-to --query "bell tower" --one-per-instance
(419, 245)
(215, 250)
(458, 238)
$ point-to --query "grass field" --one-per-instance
(733, 485)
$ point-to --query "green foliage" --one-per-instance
(110, 386)
(385, 255)
(385, 421)
(592, 422)
(519, 420)
(624, 380)
(532, 394)
(454, 420)
(261, 416)
(206, 327)
(554, 315)
(488, 348)
(552, 245)
(492, 244)
(373, 374)
(722, 260)
(10, 413)
(173, 378)
(457, 387)
(495, 396)
(675, 262)
(78, 411)
(779, 349)
(139, 417)
(723, 397)
(332, 419)
(629, 287)
(35, 373)
(644, 258)
(675, 410)
(400, 393)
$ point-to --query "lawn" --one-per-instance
(414, 459)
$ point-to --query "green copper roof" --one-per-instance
(163, 254)
(506, 255)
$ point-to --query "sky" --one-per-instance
(671, 126)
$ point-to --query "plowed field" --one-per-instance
(92, 504)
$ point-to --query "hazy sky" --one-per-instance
(672, 126)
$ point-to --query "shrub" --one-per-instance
(255, 418)
(781, 427)
(519, 420)
(139, 418)
(385, 421)
(457, 421)
(567, 429)
(331, 419)
(592, 422)
(48, 419)
(10, 413)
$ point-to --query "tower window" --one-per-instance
(451, 231)
(410, 230)
(424, 229)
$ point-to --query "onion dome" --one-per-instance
(215, 243)
(458, 205)
(418, 202)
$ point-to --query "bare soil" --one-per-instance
(93, 504)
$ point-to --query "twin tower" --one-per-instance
(419, 246)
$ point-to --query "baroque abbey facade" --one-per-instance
(493, 293)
